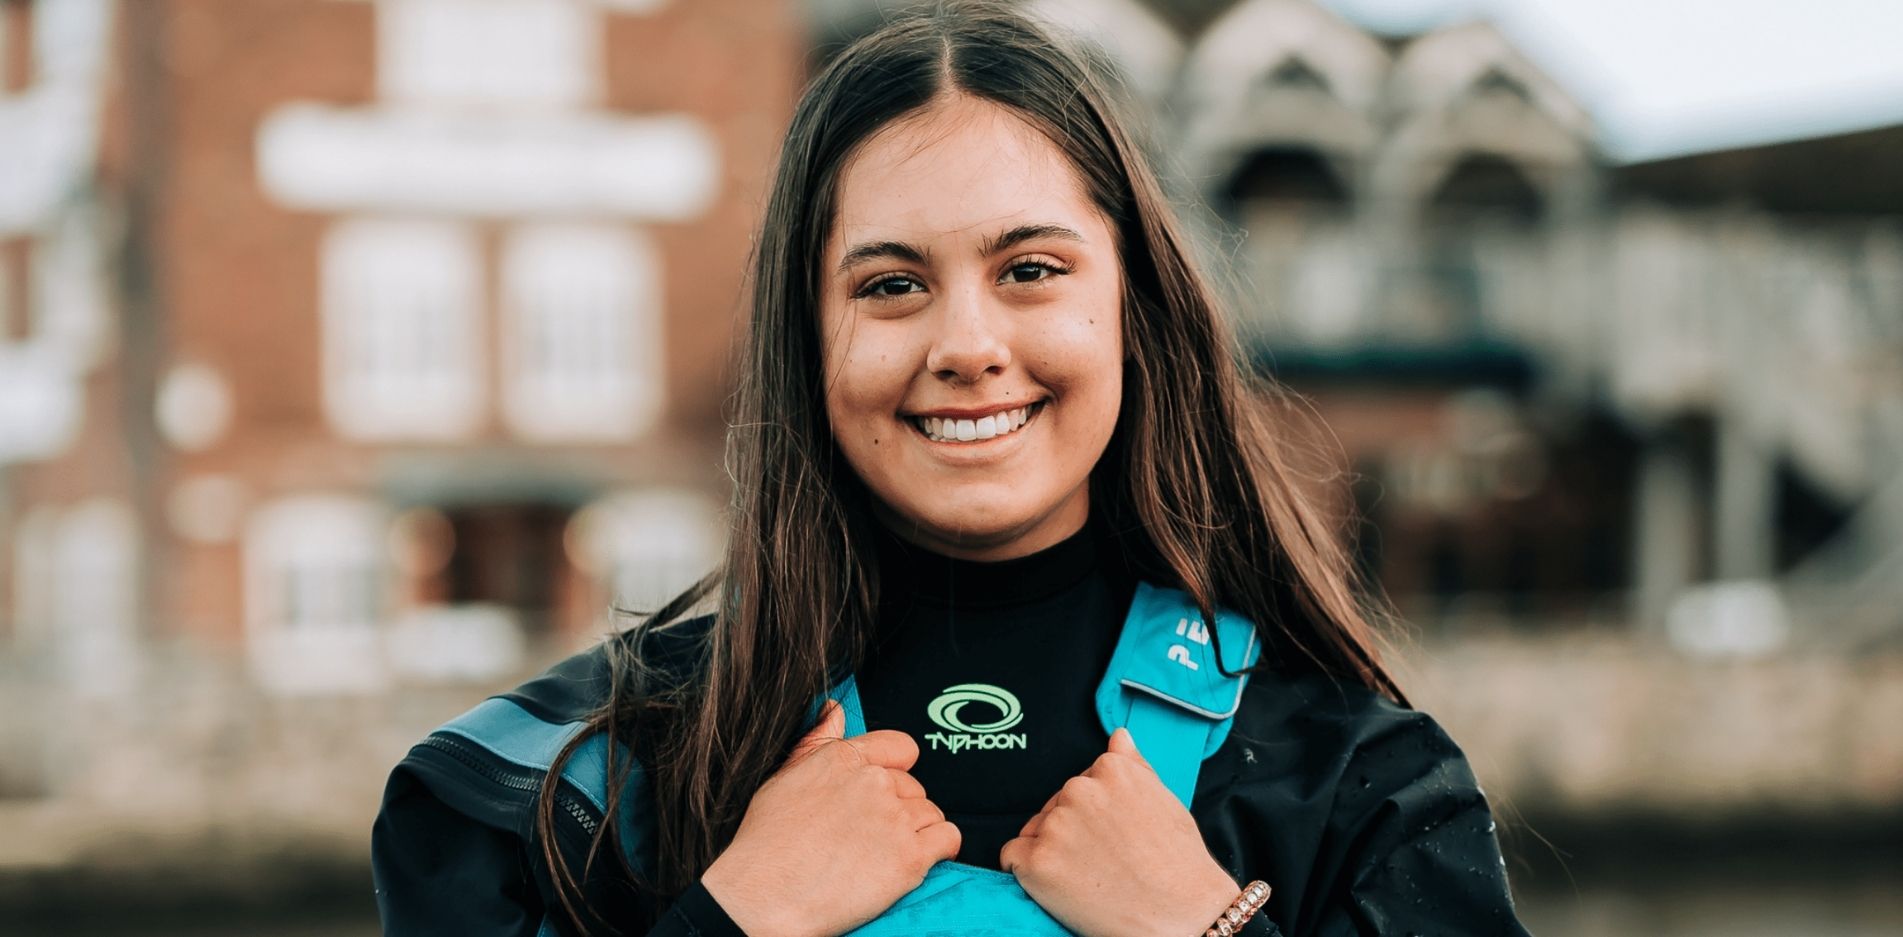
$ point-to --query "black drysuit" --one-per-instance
(1363, 816)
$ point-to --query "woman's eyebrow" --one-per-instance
(1026, 232)
(872, 250)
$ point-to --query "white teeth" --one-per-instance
(939, 429)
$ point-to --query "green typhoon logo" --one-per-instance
(947, 709)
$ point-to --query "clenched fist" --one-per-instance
(833, 838)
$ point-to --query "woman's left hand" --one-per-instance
(1114, 852)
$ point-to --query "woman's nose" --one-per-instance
(971, 337)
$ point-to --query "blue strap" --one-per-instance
(1164, 686)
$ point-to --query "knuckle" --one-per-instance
(1031, 854)
(908, 743)
(873, 777)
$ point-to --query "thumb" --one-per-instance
(1123, 744)
(831, 725)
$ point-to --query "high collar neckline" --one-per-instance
(908, 572)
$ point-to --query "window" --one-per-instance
(645, 547)
(315, 582)
(489, 53)
(401, 307)
(581, 323)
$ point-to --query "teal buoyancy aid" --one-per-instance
(1163, 684)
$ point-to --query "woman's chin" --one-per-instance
(979, 534)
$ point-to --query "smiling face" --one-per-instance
(971, 326)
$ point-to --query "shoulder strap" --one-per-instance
(1164, 685)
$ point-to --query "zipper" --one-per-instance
(520, 779)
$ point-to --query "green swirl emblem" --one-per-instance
(944, 709)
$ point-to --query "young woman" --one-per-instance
(1023, 627)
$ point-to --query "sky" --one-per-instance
(1665, 77)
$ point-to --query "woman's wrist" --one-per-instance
(1218, 890)
(1246, 906)
(747, 905)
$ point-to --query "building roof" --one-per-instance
(1846, 173)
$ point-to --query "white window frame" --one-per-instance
(581, 333)
(402, 312)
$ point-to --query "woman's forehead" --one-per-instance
(963, 168)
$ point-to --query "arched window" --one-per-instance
(1287, 174)
(1485, 261)
(1487, 184)
(1304, 270)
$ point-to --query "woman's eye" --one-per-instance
(1031, 271)
(891, 286)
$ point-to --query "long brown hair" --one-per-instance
(1194, 479)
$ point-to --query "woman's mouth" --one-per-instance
(1002, 423)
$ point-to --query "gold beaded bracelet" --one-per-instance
(1246, 905)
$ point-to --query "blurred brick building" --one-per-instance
(378, 339)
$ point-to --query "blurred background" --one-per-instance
(356, 355)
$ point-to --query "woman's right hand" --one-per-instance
(837, 835)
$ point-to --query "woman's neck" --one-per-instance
(1061, 522)
(912, 572)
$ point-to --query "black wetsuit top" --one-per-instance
(1363, 816)
(1040, 627)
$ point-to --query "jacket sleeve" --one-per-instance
(441, 872)
(1413, 840)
